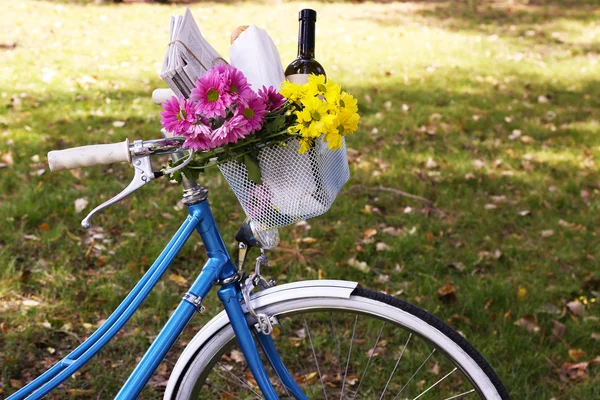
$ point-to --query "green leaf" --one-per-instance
(176, 175)
(253, 169)
(191, 174)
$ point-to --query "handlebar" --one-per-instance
(137, 153)
(88, 156)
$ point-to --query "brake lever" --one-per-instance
(143, 175)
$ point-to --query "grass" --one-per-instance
(444, 89)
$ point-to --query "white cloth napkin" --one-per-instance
(255, 54)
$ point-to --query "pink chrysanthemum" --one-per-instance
(231, 131)
(198, 137)
(210, 94)
(253, 110)
(179, 115)
(237, 85)
(271, 97)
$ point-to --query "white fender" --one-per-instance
(276, 294)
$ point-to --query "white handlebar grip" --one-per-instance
(87, 156)
(159, 96)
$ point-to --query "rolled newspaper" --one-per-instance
(254, 53)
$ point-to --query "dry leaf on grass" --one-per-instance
(447, 293)
(558, 329)
(576, 354)
(576, 307)
(529, 322)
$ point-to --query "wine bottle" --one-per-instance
(305, 64)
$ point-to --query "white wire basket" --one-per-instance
(294, 187)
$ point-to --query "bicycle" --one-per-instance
(279, 354)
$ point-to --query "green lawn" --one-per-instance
(489, 110)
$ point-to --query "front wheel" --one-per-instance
(368, 346)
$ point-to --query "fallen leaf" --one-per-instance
(576, 307)
(573, 372)
(16, 383)
(31, 237)
(178, 279)
(86, 393)
(515, 134)
(478, 164)
(527, 139)
(595, 335)
(547, 233)
(460, 267)
(390, 230)
(558, 329)
(447, 293)
(430, 164)
(307, 240)
(576, 354)
(81, 204)
(529, 322)
(237, 356)
(359, 265)
(380, 246)
(7, 159)
(370, 232)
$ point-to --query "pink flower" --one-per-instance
(271, 97)
(253, 111)
(179, 115)
(236, 83)
(210, 94)
(259, 203)
(198, 137)
(231, 131)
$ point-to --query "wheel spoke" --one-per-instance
(343, 394)
(296, 357)
(276, 373)
(395, 367)
(432, 386)
(460, 395)
(222, 390)
(337, 344)
(369, 360)
(315, 357)
(237, 380)
(415, 374)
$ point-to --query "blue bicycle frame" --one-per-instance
(219, 267)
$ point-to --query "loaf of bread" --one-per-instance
(237, 32)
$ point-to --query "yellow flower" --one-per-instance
(293, 91)
(305, 145)
(318, 85)
(314, 119)
(348, 121)
(348, 102)
(333, 139)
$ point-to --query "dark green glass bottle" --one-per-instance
(305, 64)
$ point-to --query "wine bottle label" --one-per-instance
(298, 78)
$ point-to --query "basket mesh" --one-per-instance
(294, 186)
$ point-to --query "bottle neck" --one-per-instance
(306, 39)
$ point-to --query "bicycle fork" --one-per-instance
(231, 296)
